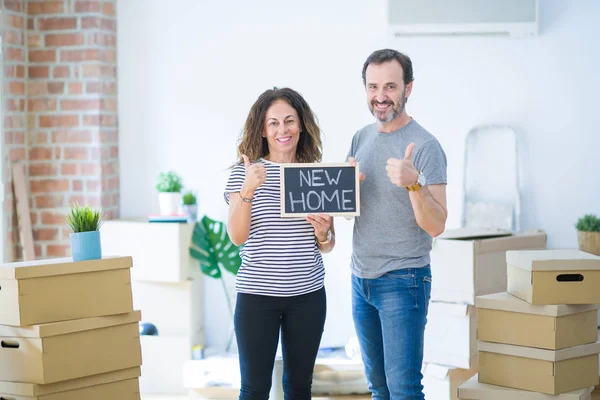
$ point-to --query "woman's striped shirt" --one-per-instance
(281, 256)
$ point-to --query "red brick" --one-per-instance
(58, 250)
(87, 169)
(31, 23)
(17, 137)
(99, 23)
(34, 40)
(16, 88)
(94, 70)
(103, 39)
(17, 154)
(50, 201)
(13, 5)
(36, 105)
(49, 186)
(49, 121)
(77, 185)
(56, 87)
(108, 8)
(92, 201)
(15, 21)
(108, 56)
(37, 88)
(70, 136)
(42, 138)
(75, 88)
(109, 136)
(52, 24)
(12, 105)
(101, 88)
(80, 104)
(102, 120)
(38, 251)
(109, 104)
(10, 72)
(79, 55)
(20, 71)
(41, 153)
(75, 153)
(62, 71)
(88, 6)
(39, 72)
(14, 54)
(42, 170)
(11, 37)
(36, 56)
(92, 185)
(64, 39)
(45, 233)
(45, 7)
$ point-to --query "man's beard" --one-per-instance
(391, 113)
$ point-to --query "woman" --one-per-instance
(280, 283)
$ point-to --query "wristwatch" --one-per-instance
(328, 238)
(420, 183)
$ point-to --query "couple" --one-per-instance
(280, 283)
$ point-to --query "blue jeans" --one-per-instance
(390, 313)
(259, 320)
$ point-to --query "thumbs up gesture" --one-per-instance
(256, 174)
(402, 172)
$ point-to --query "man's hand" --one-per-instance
(256, 175)
(352, 161)
(403, 173)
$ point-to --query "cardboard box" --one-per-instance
(470, 262)
(441, 382)
(160, 251)
(539, 370)
(474, 390)
(37, 292)
(503, 318)
(554, 276)
(122, 385)
(67, 350)
(451, 335)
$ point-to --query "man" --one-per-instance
(403, 205)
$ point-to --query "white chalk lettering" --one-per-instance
(305, 177)
(301, 201)
(316, 179)
(345, 200)
(334, 196)
(334, 181)
(319, 201)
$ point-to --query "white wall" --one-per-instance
(189, 71)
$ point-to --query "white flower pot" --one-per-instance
(169, 202)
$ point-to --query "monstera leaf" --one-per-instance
(214, 250)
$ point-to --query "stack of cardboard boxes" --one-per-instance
(68, 330)
(465, 263)
(539, 339)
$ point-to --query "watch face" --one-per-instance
(421, 181)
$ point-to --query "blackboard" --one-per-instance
(332, 189)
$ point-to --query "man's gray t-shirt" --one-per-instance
(386, 234)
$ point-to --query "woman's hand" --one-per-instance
(321, 224)
(256, 175)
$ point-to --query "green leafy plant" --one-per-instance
(169, 182)
(84, 218)
(588, 223)
(215, 251)
(189, 198)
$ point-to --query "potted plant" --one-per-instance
(169, 192)
(588, 234)
(85, 223)
(190, 205)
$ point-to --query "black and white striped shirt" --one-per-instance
(281, 256)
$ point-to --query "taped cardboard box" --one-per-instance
(539, 370)
(504, 318)
(61, 351)
(470, 262)
(451, 335)
(474, 390)
(441, 382)
(554, 276)
(122, 385)
(37, 292)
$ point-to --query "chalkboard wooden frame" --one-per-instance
(285, 214)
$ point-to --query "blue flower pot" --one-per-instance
(86, 246)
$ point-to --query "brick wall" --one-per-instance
(61, 114)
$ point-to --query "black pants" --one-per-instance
(258, 320)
